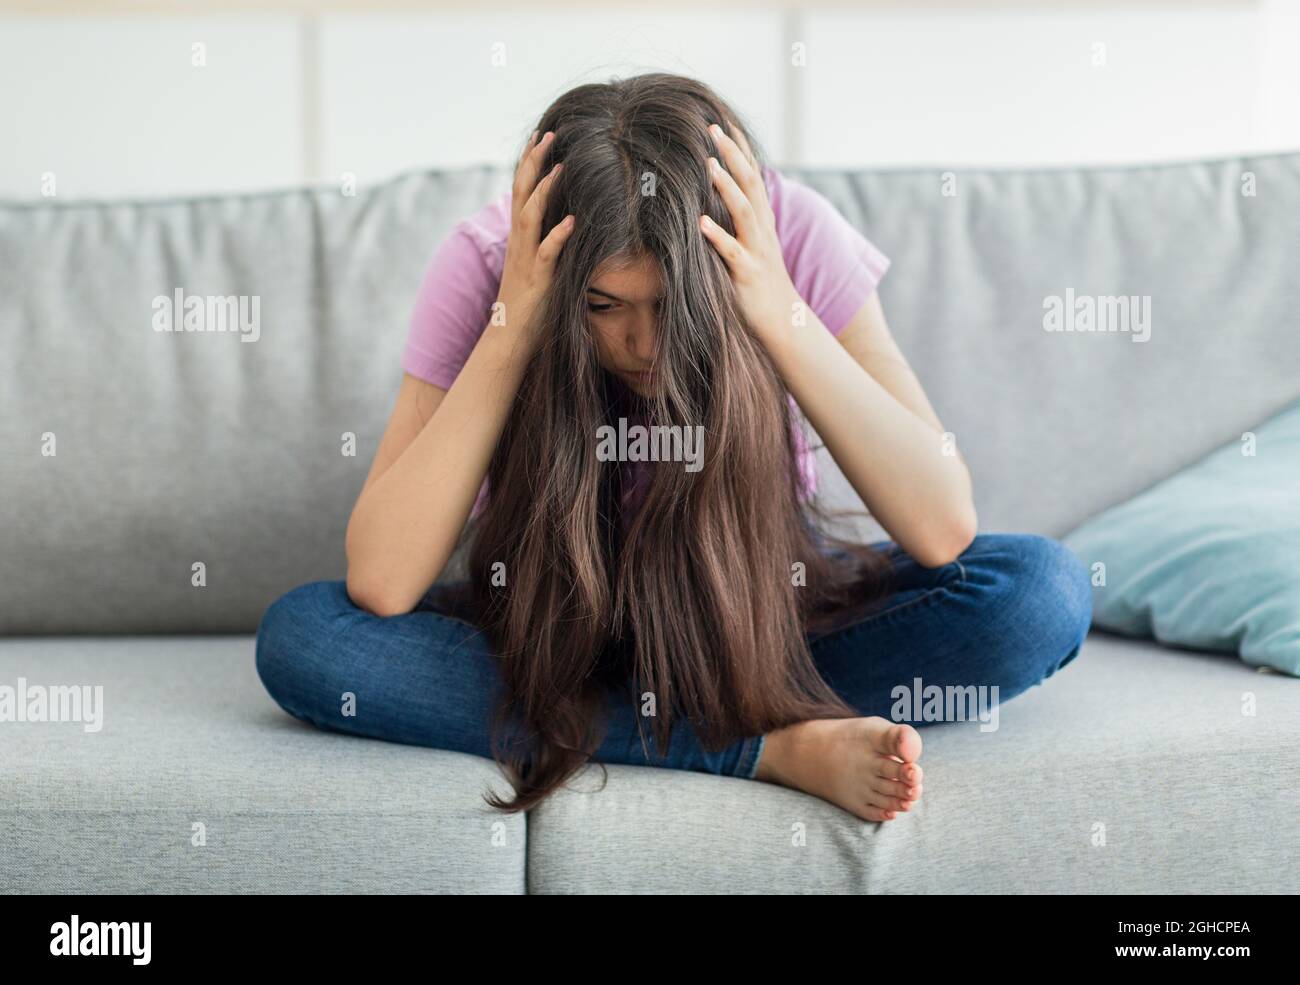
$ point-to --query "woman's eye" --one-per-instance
(598, 307)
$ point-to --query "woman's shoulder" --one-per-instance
(796, 204)
(833, 265)
(454, 300)
(488, 229)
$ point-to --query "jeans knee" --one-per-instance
(1040, 605)
(1074, 589)
(293, 632)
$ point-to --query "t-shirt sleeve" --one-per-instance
(833, 266)
(455, 298)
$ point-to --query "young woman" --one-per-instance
(647, 266)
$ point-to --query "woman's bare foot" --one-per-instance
(865, 765)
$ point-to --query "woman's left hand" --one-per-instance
(766, 294)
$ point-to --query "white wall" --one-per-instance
(111, 103)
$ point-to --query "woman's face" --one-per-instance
(623, 302)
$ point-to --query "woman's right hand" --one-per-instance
(530, 259)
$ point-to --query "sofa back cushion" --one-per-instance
(179, 480)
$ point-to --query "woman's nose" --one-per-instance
(641, 339)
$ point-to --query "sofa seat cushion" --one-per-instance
(1134, 770)
(189, 737)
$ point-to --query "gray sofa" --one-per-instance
(1133, 770)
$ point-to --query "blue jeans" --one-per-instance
(1010, 612)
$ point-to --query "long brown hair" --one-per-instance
(697, 598)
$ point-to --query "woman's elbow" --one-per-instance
(370, 587)
(949, 541)
(376, 599)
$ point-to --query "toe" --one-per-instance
(870, 813)
(891, 769)
(898, 740)
(905, 742)
(890, 789)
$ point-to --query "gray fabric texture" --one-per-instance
(1152, 743)
(176, 448)
(190, 737)
(1145, 747)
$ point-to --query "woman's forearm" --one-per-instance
(405, 526)
(406, 523)
(906, 473)
(893, 456)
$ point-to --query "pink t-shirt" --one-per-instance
(834, 268)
